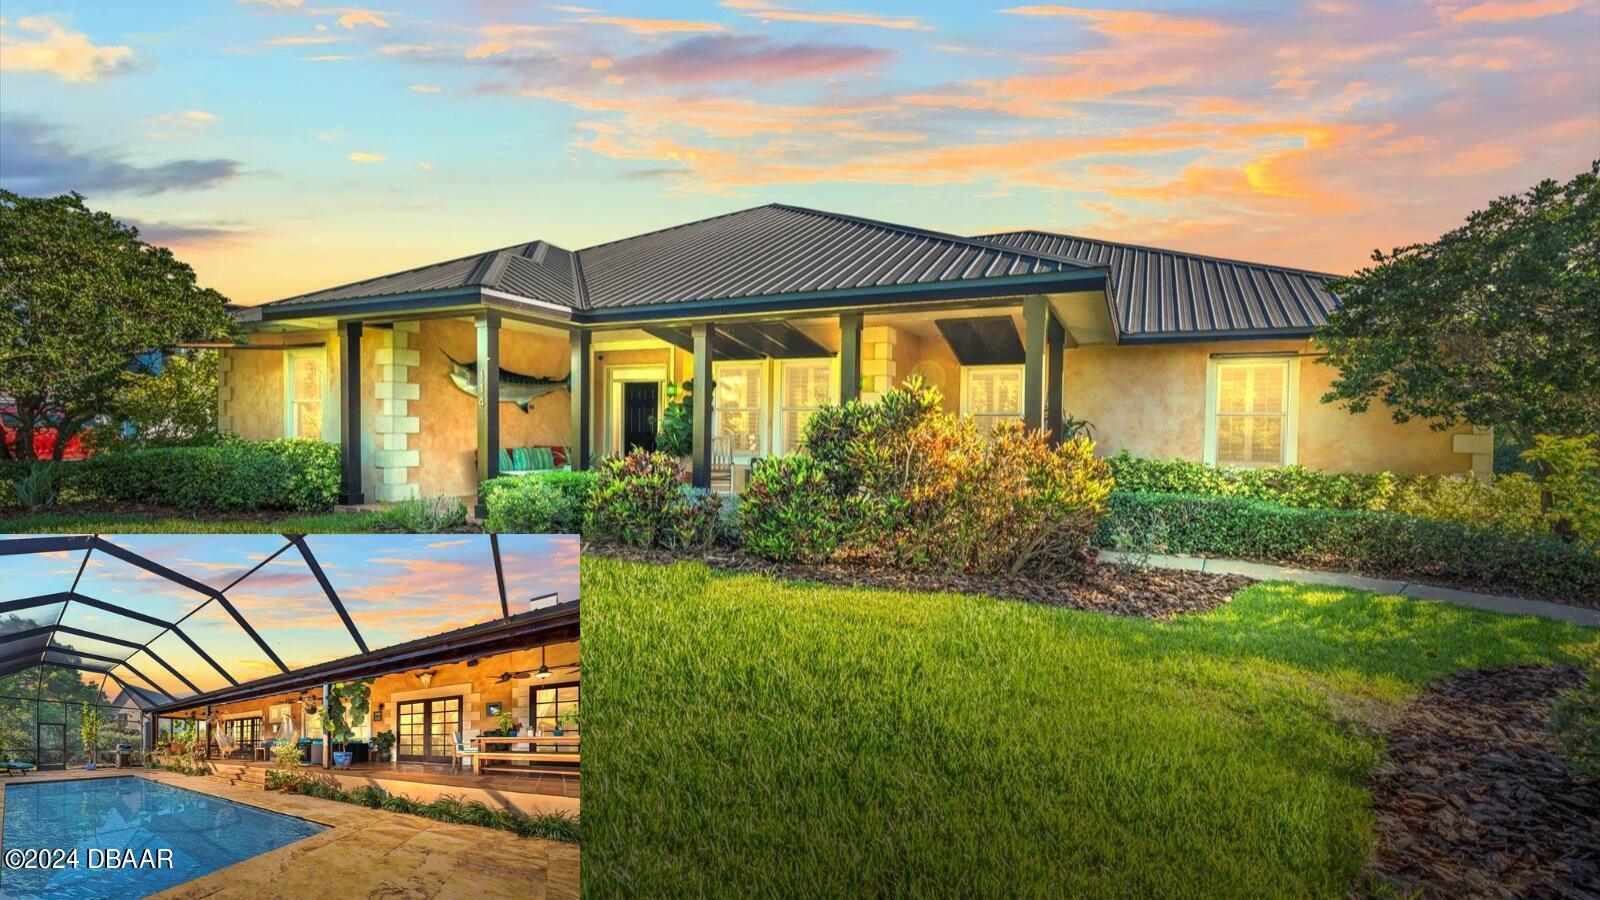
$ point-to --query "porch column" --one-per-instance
(1055, 339)
(350, 414)
(488, 327)
(700, 455)
(580, 384)
(1035, 320)
(327, 744)
(849, 356)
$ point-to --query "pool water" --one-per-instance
(204, 833)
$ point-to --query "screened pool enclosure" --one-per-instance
(135, 626)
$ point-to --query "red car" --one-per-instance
(44, 439)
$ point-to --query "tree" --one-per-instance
(172, 403)
(1495, 323)
(80, 298)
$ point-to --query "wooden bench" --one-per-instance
(519, 756)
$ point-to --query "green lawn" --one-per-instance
(78, 522)
(763, 738)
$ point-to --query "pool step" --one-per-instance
(238, 775)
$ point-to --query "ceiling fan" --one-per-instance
(540, 673)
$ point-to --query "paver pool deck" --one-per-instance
(369, 852)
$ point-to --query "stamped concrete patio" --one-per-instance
(370, 853)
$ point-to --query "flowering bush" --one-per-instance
(903, 482)
(644, 500)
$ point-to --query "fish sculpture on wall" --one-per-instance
(514, 386)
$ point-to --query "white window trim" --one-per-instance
(1291, 417)
(966, 391)
(764, 413)
(289, 418)
(779, 439)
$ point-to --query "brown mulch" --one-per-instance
(1103, 587)
(1472, 799)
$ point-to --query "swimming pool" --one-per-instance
(203, 833)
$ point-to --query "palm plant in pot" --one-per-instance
(89, 731)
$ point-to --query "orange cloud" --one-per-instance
(356, 17)
(1507, 12)
(651, 26)
(759, 9)
(1481, 158)
(52, 49)
(1115, 21)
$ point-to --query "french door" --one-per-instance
(426, 729)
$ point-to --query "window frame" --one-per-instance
(762, 408)
(289, 398)
(966, 389)
(1290, 364)
(780, 410)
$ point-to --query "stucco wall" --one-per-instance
(1150, 401)
(448, 416)
(256, 380)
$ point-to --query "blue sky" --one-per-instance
(283, 146)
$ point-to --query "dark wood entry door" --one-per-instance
(426, 729)
(639, 404)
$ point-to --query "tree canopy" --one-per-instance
(80, 298)
(1495, 323)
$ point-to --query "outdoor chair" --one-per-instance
(18, 768)
(462, 752)
(225, 744)
(528, 460)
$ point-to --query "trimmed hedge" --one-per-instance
(540, 503)
(230, 475)
(1362, 540)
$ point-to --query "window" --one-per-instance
(807, 387)
(738, 405)
(991, 394)
(305, 379)
(1250, 416)
(553, 702)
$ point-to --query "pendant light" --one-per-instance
(544, 670)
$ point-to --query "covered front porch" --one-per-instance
(437, 404)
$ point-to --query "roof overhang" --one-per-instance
(1197, 337)
(550, 625)
(467, 300)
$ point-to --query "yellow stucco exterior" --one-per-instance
(1147, 399)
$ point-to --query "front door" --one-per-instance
(639, 404)
(426, 729)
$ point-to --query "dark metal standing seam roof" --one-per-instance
(1166, 294)
(777, 249)
(537, 269)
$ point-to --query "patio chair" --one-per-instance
(226, 744)
(462, 751)
(17, 768)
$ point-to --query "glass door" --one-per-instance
(426, 729)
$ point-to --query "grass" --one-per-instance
(775, 739)
(81, 522)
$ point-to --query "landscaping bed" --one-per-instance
(1472, 798)
(1101, 587)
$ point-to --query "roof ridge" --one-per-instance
(442, 262)
(675, 227)
(929, 232)
(1154, 249)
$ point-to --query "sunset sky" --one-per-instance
(282, 145)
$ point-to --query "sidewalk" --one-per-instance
(1266, 572)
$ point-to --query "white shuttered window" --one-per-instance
(1252, 412)
(738, 405)
(991, 394)
(807, 386)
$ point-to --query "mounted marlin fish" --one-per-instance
(514, 386)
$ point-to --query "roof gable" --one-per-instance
(1169, 294)
(538, 270)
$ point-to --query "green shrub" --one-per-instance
(902, 482)
(543, 503)
(676, 435)
(1571, 468)
(36, 488)
(1575, 726)
(426, 515)
(790, 511)
(229, 475)
(1365, 540)
(1510, 502)
(644, 500)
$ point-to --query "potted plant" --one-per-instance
(89, 731)
(382, 742)
(508, 725)
(345, 711)
(565, 719)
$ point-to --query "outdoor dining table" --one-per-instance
(485, 742)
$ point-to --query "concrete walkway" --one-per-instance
(1265, 572)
